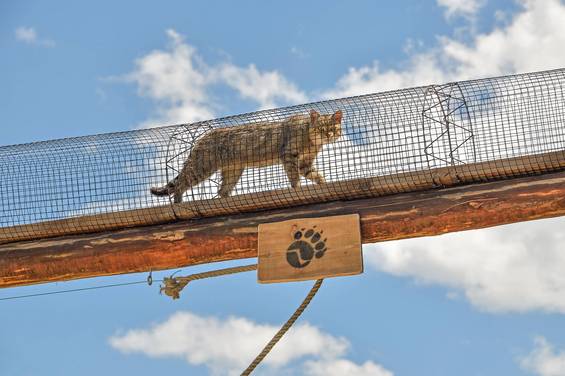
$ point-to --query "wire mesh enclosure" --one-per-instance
(366, 146)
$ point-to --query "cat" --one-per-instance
(294, 142)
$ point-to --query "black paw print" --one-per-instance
(307, 245)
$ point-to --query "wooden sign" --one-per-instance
(309, 248)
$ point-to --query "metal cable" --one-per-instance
(174, 285)
(73, 290)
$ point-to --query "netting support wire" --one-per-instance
(174, 285)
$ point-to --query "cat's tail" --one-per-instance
(165, 190)
(188, 177)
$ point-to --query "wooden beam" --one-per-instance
(375, 186)
(191, 242)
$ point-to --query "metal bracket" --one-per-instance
(447, 126)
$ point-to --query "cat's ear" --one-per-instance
(314, 115)
(336, 117)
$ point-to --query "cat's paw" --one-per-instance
(307, 244)
(320, 180)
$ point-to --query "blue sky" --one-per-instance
(488, 302)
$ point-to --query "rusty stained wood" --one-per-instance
(309, 248)
(191, 242)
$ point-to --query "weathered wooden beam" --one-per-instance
(191, 242)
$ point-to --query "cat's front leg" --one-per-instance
(315, 176)
(290, 164)
(230, 177)
(307, 169)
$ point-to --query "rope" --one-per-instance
(284, 328)
(174, 285)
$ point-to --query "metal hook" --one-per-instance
(150, 277)
(172, 275)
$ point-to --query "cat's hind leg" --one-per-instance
(230, 177)
(185, 180)
(188, 178)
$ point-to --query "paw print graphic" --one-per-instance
(307, 244)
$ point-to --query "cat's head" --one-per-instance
(327, 126)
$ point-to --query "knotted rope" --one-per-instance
(174, 285)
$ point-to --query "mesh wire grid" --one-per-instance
(384, 143)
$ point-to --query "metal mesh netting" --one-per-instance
(366, 146)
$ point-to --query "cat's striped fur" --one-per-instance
(294, 143)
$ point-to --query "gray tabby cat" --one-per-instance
(294, 143)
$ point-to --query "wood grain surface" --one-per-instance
(191, 242)
(309, 248)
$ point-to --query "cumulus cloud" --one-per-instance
(266, 88)
(544, 360)
(181, 83)
(423, 68)
(28, 35)
(531, 40)
(177, 80)
(512, 268)
(466, 8)
(227, 346)
(339, 367)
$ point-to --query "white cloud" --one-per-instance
(228, 346)
(467, 8)
(180, 82)
(423, 69)
(28, 35)
(266, 88)
(515, 268)
(532, 40)
(298, 52)
(339, 367)
(176, 80)
(544, 360)
(509, 268)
